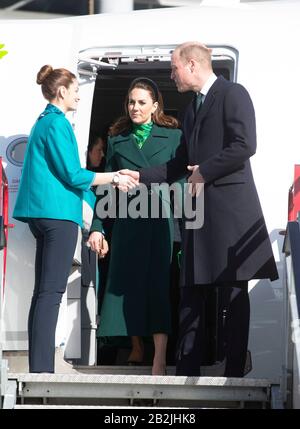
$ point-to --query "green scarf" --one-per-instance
(141, 132)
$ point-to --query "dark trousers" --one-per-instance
(213, 332)
(56, 242)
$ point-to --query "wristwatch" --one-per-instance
(115, 180)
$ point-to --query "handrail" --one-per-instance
(4, 225)
(7, 388)
(291, 293)
(291, 247)
(3, 182)
(294, 195)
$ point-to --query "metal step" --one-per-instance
(76, 407)
(121, 389)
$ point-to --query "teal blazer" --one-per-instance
(52, 182)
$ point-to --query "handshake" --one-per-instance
(129, 179)
(126, 179)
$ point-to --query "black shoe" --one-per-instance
(134, 363)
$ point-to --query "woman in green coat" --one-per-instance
(50, 201)
(136, 301)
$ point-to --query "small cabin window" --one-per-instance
(15, 151)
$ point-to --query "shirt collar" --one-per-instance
(208, 84)
(53, 109)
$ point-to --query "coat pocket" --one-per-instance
(233, 178)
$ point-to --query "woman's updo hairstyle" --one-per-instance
(51, 79)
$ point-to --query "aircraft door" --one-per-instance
(110, 91)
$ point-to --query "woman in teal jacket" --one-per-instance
(50, 201)
(136, 300)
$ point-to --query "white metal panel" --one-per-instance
(30, 45)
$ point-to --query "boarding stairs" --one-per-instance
(134, 387)
(120, 387)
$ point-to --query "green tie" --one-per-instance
(199, 98)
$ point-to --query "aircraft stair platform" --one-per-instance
(128, 387)
(118, 387)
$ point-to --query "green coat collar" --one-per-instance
(126, 146)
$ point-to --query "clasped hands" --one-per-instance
(98, 243)
(130, 179)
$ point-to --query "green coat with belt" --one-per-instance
(53, 182)
(136, 299)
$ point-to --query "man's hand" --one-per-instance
(196, 180)
(98, 243)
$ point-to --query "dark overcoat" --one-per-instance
(136, 300)
(233, 243)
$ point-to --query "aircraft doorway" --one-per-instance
(108, 104)
(112, 84)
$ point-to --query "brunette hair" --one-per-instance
(159, 118)
(51, 79)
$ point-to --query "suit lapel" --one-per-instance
(192, 122)
(203, 111)
(208, 102)
(189, 118)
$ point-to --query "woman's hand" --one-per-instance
(134, 174)
(105, 248)
(98, 243)
(126, 182)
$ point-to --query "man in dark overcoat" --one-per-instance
(233, 246)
